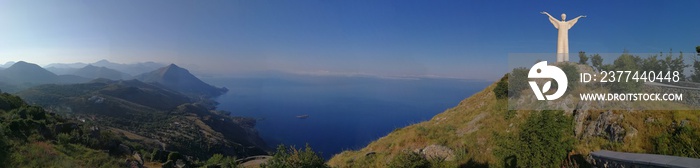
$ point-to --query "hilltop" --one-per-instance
(481, 132)
(23, 72)
(181, 80)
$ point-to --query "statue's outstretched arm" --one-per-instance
(550, 16)
(554, 21)
(573, 21)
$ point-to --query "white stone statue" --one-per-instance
(563, 40)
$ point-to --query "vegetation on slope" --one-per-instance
(154, 119)
(31, 137)
(292, 157)
(481, 132)
(542, 141)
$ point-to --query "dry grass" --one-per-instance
(469, 125)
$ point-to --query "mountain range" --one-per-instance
(22, 75)
(130, 69)
(94, 72)
(166, 110)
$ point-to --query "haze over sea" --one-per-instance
(345, 112)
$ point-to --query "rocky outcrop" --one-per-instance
(580, 115)
(606, 125)
(431, 152)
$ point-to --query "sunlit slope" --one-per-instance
(479, 131)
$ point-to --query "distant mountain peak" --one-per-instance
(102, 61)
(25, 65)
(173, 67)
(22, 62)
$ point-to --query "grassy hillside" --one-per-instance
(481, 132)
(461, 128)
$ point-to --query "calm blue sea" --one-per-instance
(344, 112)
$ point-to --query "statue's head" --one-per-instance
(563, 17)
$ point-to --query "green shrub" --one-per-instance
(682, 141)
(543, 141)
(517, 81)
(501, 89)
(408, 160)
(63, 138)
(293, 157)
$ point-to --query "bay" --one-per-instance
(344, 112)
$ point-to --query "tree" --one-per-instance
(652, 63)
(572, 75)
(695, 77)
(626, 62)
(582, 58)
(669, 63)
(597, 62)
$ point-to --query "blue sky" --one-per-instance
(465, 39)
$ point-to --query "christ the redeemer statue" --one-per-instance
(563, 39)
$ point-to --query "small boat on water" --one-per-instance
(303, 116)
